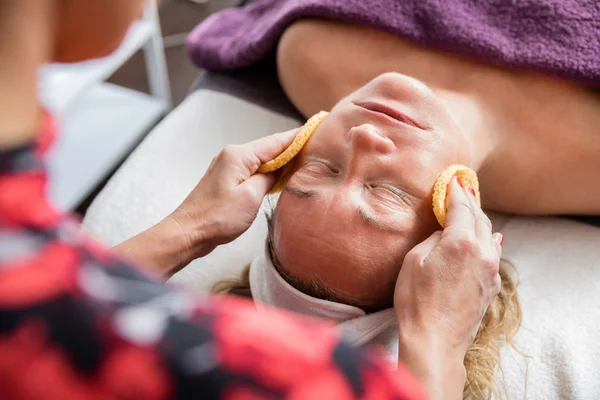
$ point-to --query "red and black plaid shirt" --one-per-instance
(78, 322)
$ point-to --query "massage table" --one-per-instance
(557, 259)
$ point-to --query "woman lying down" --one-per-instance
(355, 201)
(496, 88)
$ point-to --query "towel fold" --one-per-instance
(557, 37)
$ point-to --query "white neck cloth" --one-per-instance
(269, 288)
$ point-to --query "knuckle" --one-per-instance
(256, 195)
(414, 258)
(466, 243)
(248, 194)
(253, 162)
(229, 152)
(490, 265)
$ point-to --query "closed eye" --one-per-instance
(395, 191)
(366, 215)
(313, 172)
(318, 166)
(390, 197)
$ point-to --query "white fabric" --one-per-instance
(167, 165)
(559, 269)
(558, 260)
(378, 329)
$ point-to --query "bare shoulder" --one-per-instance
(549, 171)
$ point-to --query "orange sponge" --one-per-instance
(466, 175)
(282, 160)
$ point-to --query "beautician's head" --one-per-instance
(359, 196)
(90, 29)
(80, 29)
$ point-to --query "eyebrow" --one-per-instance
(299, 192)
(364, 215)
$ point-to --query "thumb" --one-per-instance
(423, 249)
(269, 147)
(259, 184)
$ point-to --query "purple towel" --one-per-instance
(558, 37)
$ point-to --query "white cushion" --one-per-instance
(167, 165)
(558, 261)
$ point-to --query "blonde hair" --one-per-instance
(498, 327)
(239, 286)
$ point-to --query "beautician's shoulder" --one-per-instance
(81, 319)
(84, 319)
(305, 358)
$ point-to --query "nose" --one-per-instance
(366, 138)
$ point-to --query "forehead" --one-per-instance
(317, 239)
(345, 267)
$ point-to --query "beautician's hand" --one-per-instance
(226, 200)
(219, 209)
(444, 288)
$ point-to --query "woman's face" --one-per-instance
(359, 197)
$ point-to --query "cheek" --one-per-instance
(416, 162)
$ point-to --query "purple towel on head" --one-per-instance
(558, 37)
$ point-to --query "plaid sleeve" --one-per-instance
(77, 322)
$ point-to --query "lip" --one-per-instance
(389, 112)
